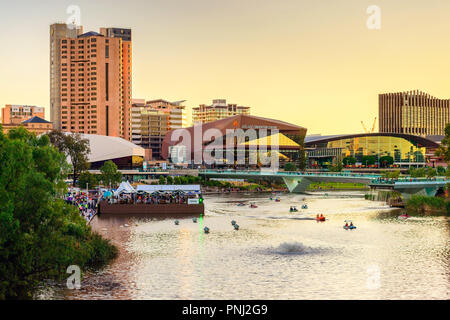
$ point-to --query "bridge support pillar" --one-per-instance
(297, 185)
(408, 192)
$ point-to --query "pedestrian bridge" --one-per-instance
(408, 186)
(298, 182)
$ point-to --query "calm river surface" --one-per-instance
(275, 254)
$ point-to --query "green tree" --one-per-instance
(441, 171)
(386, 161)
(40, 235)
(337, 166)
(368, 160)
(431, 172)
(417, 172)
(109, 174)
(75, 148)
(444, 148)
(290, 166)
(87, 179)
(391, 174)
(349, 161)
(162, 180)
(170, 180)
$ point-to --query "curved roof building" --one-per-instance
(123, 153)
(405, 149)
(201, 136)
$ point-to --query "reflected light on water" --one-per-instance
(279, 255)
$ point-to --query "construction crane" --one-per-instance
(373, 126)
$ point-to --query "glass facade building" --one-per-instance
(404, 149)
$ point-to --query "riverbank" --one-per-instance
(424, 205)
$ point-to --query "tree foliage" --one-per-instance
(75, 148)
(391, 174)
(386, 161)
(417, 172)
(441, 171)
(290, 167)
(368, 160)
(444, 148)
(88, 180)
(349, 161)
(337, 166)
(40, 235)
(109, 174)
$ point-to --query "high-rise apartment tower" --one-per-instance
(90, 76)
(413, 112)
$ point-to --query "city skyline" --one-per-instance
(261, 56)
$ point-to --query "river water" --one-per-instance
(275, 254)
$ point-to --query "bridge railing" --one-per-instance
(410, 180)
(290, 173)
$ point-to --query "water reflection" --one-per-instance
(276, 254)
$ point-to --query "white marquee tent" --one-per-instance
(125, 187)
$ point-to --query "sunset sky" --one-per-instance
(311, 63)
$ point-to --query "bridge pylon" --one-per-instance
(297, 185)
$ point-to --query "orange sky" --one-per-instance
(311, 63)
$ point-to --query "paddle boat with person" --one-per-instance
(349, 225)
(277, 200)
(241, 204)
(320, 218)
(403, 216)
(253, 206)
(304, 206)
(293, 209)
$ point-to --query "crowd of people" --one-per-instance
(86, 204)
(154, 198)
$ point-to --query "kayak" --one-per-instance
(403, 216)
(240, 204)
(349, 228)
(320, 219)
(253, 206)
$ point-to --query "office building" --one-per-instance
(90, 76)
(16, 114)
(218, 110)
(148, 127)
(175, 111)
(413, 112)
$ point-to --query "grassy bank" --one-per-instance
(336, 185)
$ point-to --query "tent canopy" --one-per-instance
(125, 187)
